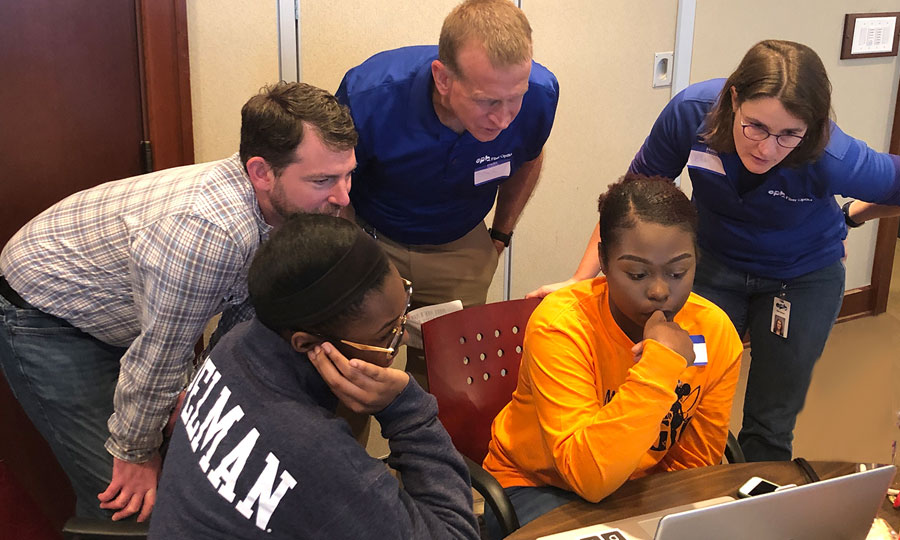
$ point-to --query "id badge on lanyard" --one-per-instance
(781, 314)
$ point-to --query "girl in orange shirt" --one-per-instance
(622, 375)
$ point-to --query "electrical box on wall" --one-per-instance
(662, 69)
(867, 35)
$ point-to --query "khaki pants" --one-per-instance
(458, 270)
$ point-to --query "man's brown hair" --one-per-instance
(272, 123)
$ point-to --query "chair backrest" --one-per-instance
(473, 360)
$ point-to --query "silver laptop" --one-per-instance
(838, 508)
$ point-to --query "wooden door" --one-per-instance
(70, 101)
(83, 84)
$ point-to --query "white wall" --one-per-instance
(602, 53)
(336, 36)
(233, 53)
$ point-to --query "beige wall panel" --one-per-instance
(602, 54)
(233, 53)
(336, 36)
(864, 91)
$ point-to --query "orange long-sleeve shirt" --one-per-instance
(586, 417)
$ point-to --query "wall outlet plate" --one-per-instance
(663, 70)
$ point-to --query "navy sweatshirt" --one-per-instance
(257, 452)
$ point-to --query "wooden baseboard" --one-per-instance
(858, 303)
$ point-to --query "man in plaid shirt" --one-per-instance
(103, 295)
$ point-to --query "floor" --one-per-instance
(853, 403)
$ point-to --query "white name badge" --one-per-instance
(703, 160)
(498, 169)
(700, 358)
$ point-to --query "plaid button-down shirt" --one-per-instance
(144, 263)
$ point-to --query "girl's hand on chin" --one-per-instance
(362, 387)
(669, 334)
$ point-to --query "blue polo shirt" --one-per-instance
(416, 178)
(781, 224)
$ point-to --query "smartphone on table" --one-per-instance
(756, 486)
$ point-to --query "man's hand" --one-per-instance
(547, 289)
(669, 334)
(133, 488)
(361, 386)
(499, 246)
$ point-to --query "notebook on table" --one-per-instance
(842, 507)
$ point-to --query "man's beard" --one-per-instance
(285, 211)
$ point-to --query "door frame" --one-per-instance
(166, 81)
(872, 299)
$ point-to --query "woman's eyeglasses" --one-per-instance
(758, 133)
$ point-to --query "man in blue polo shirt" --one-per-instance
(443, 131)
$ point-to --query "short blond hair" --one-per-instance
(498, 25)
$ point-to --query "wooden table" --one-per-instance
(665, 490)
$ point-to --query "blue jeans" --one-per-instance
(530, 503)
(780, 368)
(64, 379)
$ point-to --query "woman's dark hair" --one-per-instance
(652, 199)
(790, 72)
(297, 256)
(273, 123)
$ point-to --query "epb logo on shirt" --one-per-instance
(484, 159)
(779, 193)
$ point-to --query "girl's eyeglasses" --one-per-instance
(397, 332)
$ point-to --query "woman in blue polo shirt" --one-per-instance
(765, 162)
